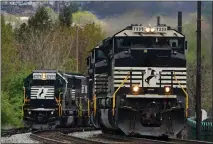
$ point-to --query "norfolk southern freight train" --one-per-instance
(137, 81)
(54, 99)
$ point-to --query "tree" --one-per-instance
(41, 20)
(65, 16)
(53, 16)
(85, 17)
(10, 62)
(189, 30)
(11, 66)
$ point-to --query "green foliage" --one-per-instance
(12, 100)
(11, 77)
(41, 20)
(41, 44)
(190, 32)
(7, 111)
(65, 16)
(85, 17)
(8, 51)
(52, 15)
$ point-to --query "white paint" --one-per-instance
(128, 85)
(143, 68)
(151, 96)
(204, 114)
(151, 76)
(40, 92)
(157, 29)
(42, 109)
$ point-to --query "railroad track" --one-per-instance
(49, 137)
(70, 130)
(153, 140)
(13, 131)
(60, 138)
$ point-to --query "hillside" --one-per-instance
(108, 9)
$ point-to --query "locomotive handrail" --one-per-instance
(59, 105)
(94, 104)
(113, 96)
(88, 107)
(187, 97)
(25, 100)
(23, 103)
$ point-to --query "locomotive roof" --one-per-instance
(128, 32)
(76, 75)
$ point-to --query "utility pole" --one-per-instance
(198, 79)
(77, 48)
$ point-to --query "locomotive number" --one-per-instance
(161, 29)
(138, 29)
(51, 77)
(36, 76)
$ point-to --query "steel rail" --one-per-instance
(155, 140)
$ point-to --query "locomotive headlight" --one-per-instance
(152, 29)
(52, 112)
(135, 89)
(167, 89)
(147, 29)
(29, 112)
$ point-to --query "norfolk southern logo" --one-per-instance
(42, 91)
(152, 75)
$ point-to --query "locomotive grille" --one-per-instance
(42, 92)
(153, 77)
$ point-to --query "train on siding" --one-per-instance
(54, 99)
(137, 81)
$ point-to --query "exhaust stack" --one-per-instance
(158, 20)
(180, 21)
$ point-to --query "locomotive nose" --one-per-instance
(40, 117)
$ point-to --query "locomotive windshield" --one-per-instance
(149, 42)
(43, 83)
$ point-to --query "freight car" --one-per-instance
(137, 81)
(54, 99)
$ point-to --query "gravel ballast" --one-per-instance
(86, 135)
(18, 138)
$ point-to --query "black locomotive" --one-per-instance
(137, 81)
(54, 99)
